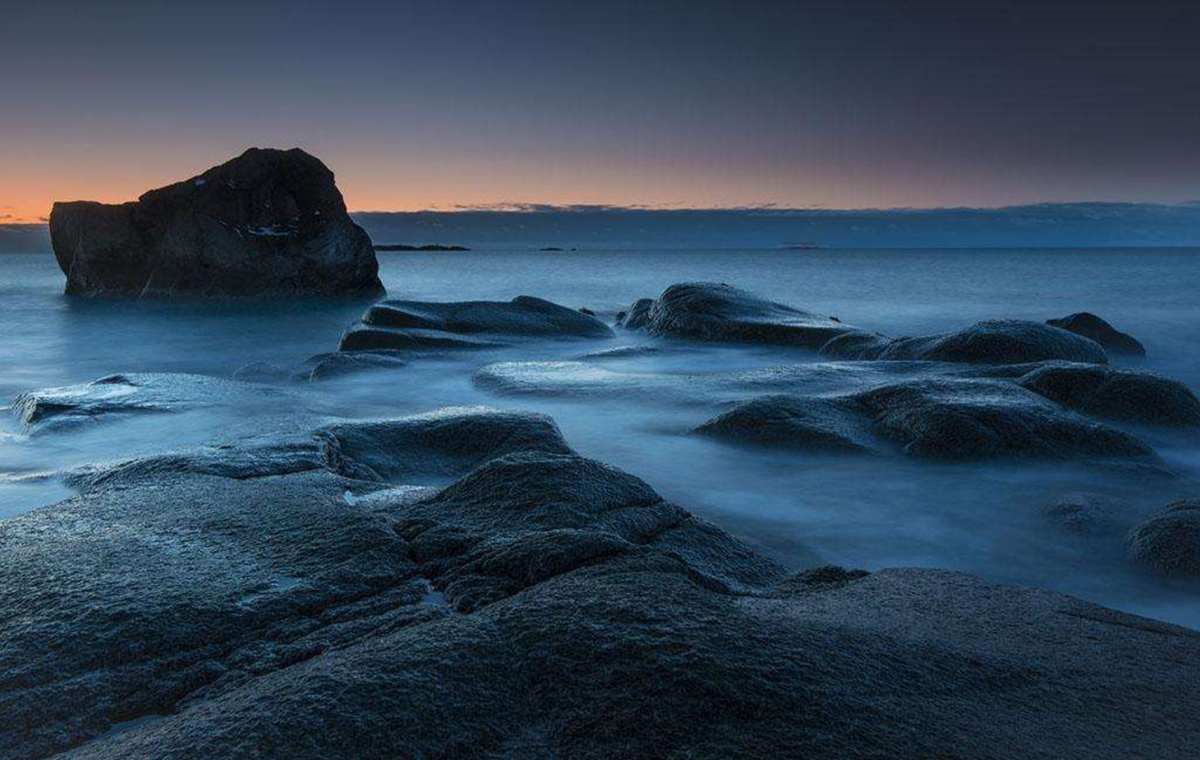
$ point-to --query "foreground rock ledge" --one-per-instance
(292, 598)
(267, 223)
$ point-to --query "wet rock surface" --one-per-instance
(1000, 341)
(524, 315)
(1168, 543)
(943, 418)
(1126, 395)
(117, 396)
(1090, 326)
(267, 223)
(417, 325)
(225, 603)
(718, 312)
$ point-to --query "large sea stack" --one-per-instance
(267, 223)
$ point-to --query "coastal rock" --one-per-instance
(718, 312)
(1169, 542)
(1129, 396)
(448, 441)
(812, 424)
(342, 363)
(638, 315)
(1002, 341)
(365, 338)
(938, 418)
(414, 325)
(132, 393)
(1083, 513)
(524, 315)
(267, 223)
(1090, 326)
(306, 614)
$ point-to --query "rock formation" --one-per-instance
(267, 223)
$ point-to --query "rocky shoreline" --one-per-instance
(462, 583)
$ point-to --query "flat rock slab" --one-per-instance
(939, 418)
(121, 395)
(191, 610)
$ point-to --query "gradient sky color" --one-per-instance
(434, 105)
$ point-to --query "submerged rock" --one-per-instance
(719, 312)
(132, 393)
(307, 614)
(1140, 397)
(267, 223)
(809, 423)
(1169, 542)
(1000, 341)
(376, 339)
(1083, 513)
(1090, 326)
(342, 363)
(940, 418)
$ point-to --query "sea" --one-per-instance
(803, 510)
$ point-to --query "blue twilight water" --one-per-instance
(801, 509)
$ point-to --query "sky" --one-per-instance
(440, 105)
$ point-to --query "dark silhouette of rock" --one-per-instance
(1001, 341)
(939, 418)
(638, 315)
(267, 223)
(1090, 326)
(1169, 542)
(1140, 397)
(426, 247)
(719, 312)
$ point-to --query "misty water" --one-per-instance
(635, 412)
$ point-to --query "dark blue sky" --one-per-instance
(418, 105)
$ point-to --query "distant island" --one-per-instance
(430, 247)
(550, 248)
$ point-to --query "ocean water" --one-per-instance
(801, 509)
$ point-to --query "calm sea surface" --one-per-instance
(803, 510)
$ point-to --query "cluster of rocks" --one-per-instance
(294, 596)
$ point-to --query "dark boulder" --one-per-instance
(1169, 542)
(719, 312)
(1090, 326)
(940, 418)
(267, 223)
(1129, 396)
(638, 315)
(1002, 341)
